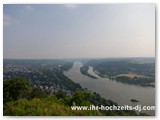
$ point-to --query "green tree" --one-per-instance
(15, 88)
(81, 98)
(37, 93)
(60, 94)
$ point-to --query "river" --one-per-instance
(115, 91)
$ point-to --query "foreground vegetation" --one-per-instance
(42, 107)
(21, 99)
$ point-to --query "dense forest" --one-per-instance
(22, 99)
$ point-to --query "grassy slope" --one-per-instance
(43, 107)
(51, 107)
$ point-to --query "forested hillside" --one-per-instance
(138, 71)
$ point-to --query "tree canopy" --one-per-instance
(15, 88)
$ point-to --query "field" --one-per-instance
(131, 75)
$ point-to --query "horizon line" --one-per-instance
(75, 58)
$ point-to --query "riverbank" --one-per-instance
(116, 91)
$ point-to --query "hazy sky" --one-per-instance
(79, 31)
